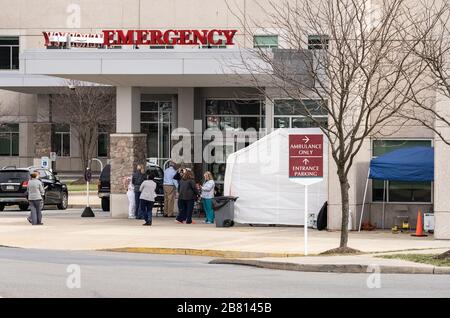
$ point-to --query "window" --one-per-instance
(381, 147)
(9, 139)
(231, 114)
(396, 191)
(318, 42)
(102, 141)
(61, 140)
(244, 114)
(9, 53)
(265, 41)
(289, 113)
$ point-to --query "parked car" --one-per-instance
(104, 185)
(14, 182)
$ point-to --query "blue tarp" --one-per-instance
(407, 164)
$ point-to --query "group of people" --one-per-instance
(142, 191)
(177, 184)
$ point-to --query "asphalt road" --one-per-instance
(40, 273)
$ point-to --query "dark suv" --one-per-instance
(104, 185)
(14, 182)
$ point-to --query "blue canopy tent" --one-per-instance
(407, 164)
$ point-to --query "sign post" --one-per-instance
(53, 159)
(45, 162)
(87, 211)
(306, 167)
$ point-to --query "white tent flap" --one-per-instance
(259, 176)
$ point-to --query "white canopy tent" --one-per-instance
(259, 176)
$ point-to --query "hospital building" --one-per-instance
(169, 63)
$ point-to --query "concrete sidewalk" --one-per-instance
(68, 231)
(368, 263)
(79, 199)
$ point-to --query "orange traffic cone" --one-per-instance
(419, 226)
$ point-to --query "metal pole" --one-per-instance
(364, 201)
(87, 183)
(87, 191)
(384, 203)
(306, 220)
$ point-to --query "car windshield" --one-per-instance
(13, 176)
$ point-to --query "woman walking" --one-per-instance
(35, 194)
(207, 196)
(188, 194)
(147, 198)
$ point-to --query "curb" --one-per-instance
(82, 206)
(198, 252)
(336, 268)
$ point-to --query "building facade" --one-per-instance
(168, 81)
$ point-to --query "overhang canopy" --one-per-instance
(414, 164)
(145, 67)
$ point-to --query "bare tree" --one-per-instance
(432, 27)
(356, 66)
(86, 108)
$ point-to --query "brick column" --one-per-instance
(127, 151)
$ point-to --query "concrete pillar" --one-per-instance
(357, 179)
(185, 112)
(42, 127)
(269, 115)
(442, 174)
(128, 106)
(128, 147)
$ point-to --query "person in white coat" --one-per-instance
(131, 199)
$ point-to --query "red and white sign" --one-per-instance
(75, 39)
(305, 156)
(168, 37)
(141, 37)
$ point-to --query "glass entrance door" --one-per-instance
(231, 115)
(157, 123)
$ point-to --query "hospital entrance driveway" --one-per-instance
(68, 231)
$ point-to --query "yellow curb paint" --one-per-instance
(199, 252)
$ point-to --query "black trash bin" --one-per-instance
(224, 210)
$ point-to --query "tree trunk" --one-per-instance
(345, 186)
(83, 150)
